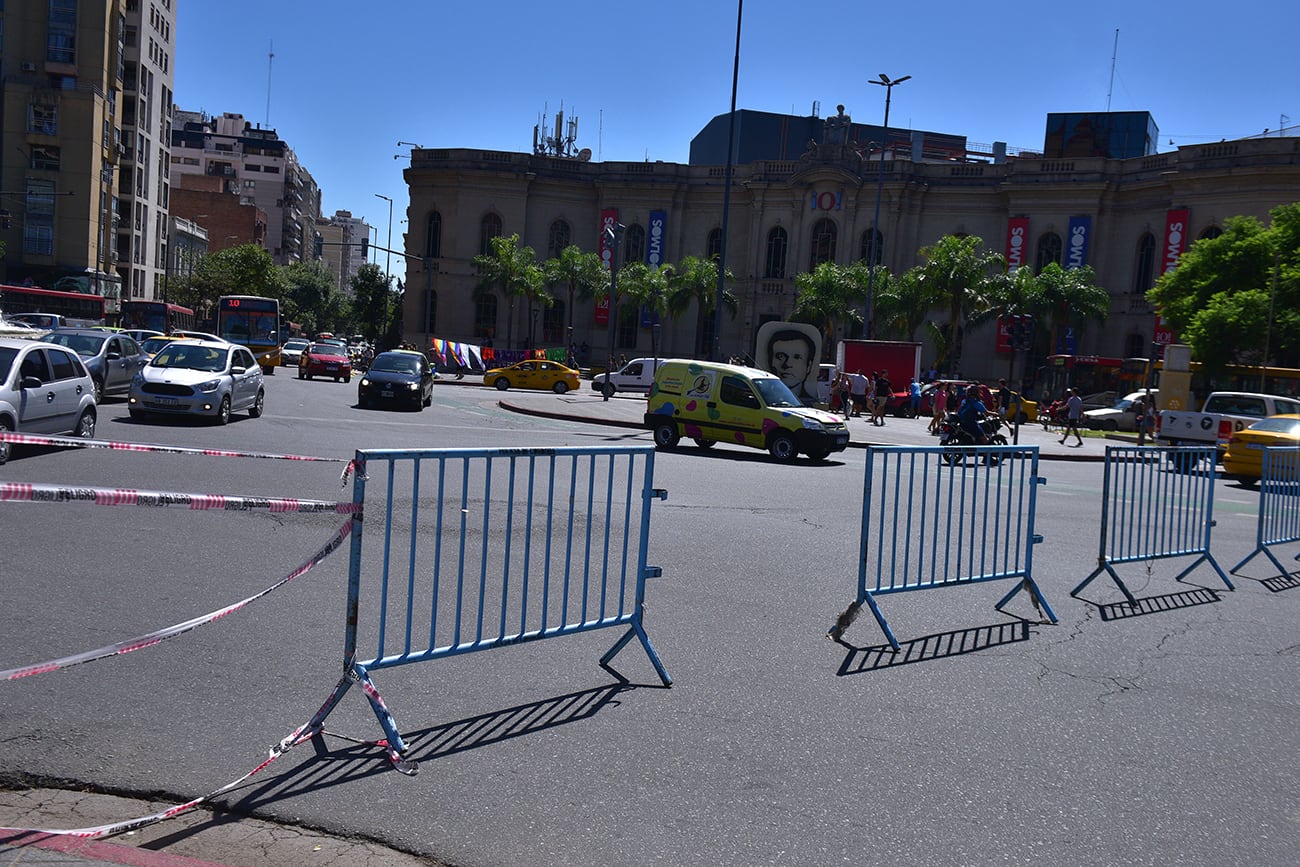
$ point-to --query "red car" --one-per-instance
(325, 359)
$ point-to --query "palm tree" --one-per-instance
(1069, 296)
(957, 270)
(648, 288)
(903, 304)
(696, 280)
(582, 274)
(1016, 293)
(831, 294)
(513, 270)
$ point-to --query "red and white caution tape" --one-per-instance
(157, 637)
(304, 732)
(77, 442)
(35, 493)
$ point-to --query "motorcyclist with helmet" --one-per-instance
(971, 413)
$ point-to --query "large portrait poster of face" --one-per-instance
(792, 351)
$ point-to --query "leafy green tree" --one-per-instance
(831, 294)
(243, 270)
(903, 305)
(696, 280)
(1231, 295)
(512, 269)
(311, 298)
(582, 275)
(373, 300)
(1070, 297)
(961, 273)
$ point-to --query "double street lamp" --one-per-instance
(885, 82)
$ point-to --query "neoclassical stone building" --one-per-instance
(1127, 217)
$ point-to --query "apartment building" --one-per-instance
(341, 237)
(144, 176)
(256, 166)
(63, 64)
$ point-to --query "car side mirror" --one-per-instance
(31, 382)
(238, 371)
(114, 355)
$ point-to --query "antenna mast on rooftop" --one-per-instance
(1114, 52)
(559, 141)
(270, 58)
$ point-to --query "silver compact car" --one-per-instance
(43, 389)
(199, 378)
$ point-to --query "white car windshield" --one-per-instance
(191, 358)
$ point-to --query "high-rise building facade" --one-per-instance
(144, 176)
(341, 237)
(62, 64)
(255, 165)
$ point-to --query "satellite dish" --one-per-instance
(584, 154)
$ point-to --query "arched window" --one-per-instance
(557, 239)
(1211, 232)
(485, 315)
(634, 244)
(488, 229)
(824, 234)
(1146, 263)
(866, 255)
(774, 264)
(1049, 250)
(713, 245)
(553, 324)
(433, 236)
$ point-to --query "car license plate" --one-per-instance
(167, 401)
(385, 394)
(1259, 447)
(331, 367)
(841, 439)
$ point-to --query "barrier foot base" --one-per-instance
(1110, 570)
(1203, 559)
(884, 624)
(639, 631)
(1035, 596)
(394, 745)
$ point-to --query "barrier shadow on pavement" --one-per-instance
(356, 759)
(928, 648)
(1157, 604)
(1281, 583)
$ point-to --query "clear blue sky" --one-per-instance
(349, 80)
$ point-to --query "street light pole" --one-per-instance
(388, 263)
(715, 351)
(888, 85)
(613, 238)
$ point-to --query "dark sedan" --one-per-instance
(397, 378)
(112, 359)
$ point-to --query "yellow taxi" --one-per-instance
(1028, 411)
(533, 373)
(1244, 459)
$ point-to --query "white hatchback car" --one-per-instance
(199, 377)
(43, 389)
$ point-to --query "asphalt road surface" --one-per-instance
(1157, 735)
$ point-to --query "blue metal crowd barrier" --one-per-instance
(483, 548)
(1279, 504)
(934, 516)
(1157, 502)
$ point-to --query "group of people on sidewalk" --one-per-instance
(858, 392)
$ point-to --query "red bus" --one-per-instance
(72, 308)
(156, 316)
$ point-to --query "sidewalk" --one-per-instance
(627, 410)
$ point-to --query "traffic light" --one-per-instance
(6, 221)
(318, 246)
(1016, 331)
(365, 248)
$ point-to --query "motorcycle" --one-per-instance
(958, 443)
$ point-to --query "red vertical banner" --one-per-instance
(1002, 342)
(1017, 241)
(1174, 246)
(608, 219)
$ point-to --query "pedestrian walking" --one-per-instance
(1073, 413)
(939, 396)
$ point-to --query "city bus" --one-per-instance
(72, 308)
(1094, 375)
(253, 322)
(157, 316)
